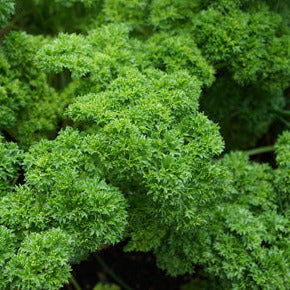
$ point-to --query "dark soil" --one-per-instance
(137, 270)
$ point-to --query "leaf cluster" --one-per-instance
(245, 42)
(116, 146)
(30, 107)
(61, 213)
(6, 10)
(11, 158)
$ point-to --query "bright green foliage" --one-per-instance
(251, 50)
(10, 158)
(131, 157)
(170, 14)
(6, 10)
(153, 143)
(41, 262)
(62, 190)
(161, 14)
(146, 132)
(68, 51)
(173, 53)
(95, 59)
(239, 41)
(7, 248)
(246, 243)
(31, 108)
(283, 149)
(245, 240)
(247, 42)
(282, 176)
(132, 12)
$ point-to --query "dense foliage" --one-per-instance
(107, 112)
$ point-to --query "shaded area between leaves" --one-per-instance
(138, 270)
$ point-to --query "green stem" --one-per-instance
(111, 273)
(75, 283)
(283, 120)
(283, 112)
(260, 150)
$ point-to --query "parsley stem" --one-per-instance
(260, 150)
(283, 120)
(283, 112)
(111, 273)
(75, 283)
